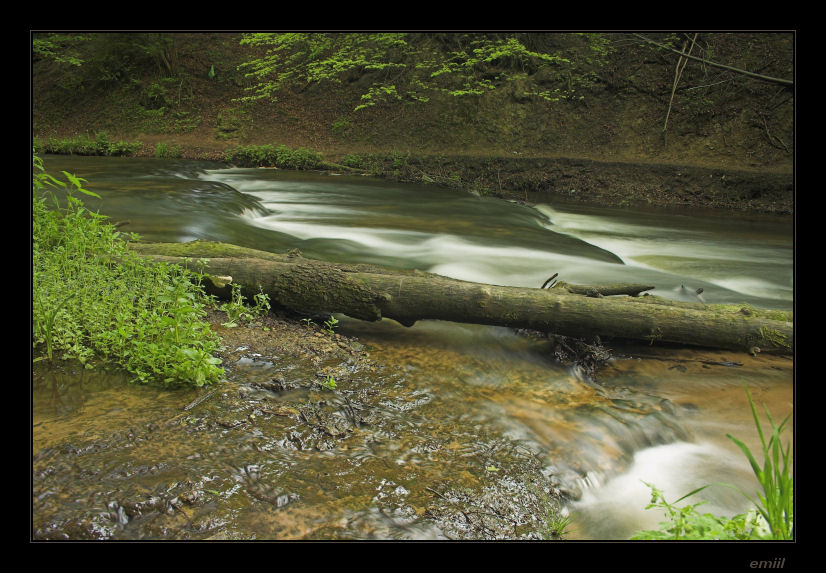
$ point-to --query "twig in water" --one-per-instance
(200, 399)
(437, 493)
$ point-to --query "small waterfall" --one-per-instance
(615, 508)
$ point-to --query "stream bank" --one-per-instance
(611, 183)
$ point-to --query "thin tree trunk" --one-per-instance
(678, 71)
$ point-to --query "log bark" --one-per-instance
(369, 292)
(631, 289)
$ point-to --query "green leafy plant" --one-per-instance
(261, 303)
(353, 160)
(237, 311)
(49, 325)
(58, 47)
(776, 502)
(85, 145)
(686, 523)
(329, 383)
(96, 301)
(164, 150)
(331, 325)
(273, 156)
(340, 125)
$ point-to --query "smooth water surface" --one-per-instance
(660, 419)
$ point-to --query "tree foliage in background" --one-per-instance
(116, 57)
(412, 67)
(110, 57)
(61, 48)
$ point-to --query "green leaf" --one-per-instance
(78, 183)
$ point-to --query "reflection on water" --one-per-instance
(89, 403)
(449, 404)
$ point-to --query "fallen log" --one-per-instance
(369, 292)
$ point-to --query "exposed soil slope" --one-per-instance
(729, 142)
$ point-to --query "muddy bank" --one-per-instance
(581, 180)
(602, 182)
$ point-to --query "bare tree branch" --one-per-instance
(716, 65)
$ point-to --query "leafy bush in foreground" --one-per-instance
(686, 523)
(95, 299)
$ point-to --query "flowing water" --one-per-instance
(447, 410)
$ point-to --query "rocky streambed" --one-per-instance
(306, 438)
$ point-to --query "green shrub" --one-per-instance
(163, 150)
(96, 300)
(273, 156)
(156, 95)
(238, 312)
(354, 160)
(232, 123)
(686, 523)
(85, 145)
(340, 126)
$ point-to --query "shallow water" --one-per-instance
(446, 407)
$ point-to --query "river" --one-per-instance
(475, 401)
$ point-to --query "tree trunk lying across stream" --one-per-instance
(370, 292)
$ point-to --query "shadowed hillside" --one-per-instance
(593, 98)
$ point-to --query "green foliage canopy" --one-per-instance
(411, 67)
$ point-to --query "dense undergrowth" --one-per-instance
(85, 144)
(273, 156)
(99, 303)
